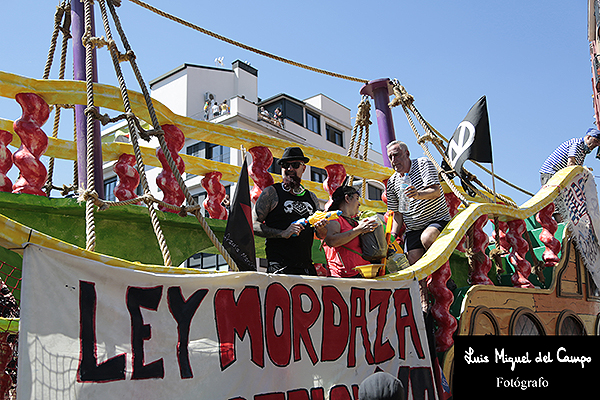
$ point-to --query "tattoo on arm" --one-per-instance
(316, 201)
(264, 205)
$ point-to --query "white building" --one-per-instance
(318, 121)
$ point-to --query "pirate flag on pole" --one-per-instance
(471, 141)
(239, 235)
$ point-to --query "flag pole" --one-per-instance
(494, 183)
(492, 163)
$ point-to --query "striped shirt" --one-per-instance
(575, 147)
(420, 212)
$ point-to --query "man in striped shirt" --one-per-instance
(570, 153)
(427, 213)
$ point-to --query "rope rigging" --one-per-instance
(360, 135)
(406, 100)
(88, 194)
(62, 23)
(163, 145)
(431, 133)
(361, 127)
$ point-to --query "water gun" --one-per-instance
(319, 216)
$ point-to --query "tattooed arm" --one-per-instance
(267, 201)
(315, 199)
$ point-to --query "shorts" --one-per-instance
(413, 238)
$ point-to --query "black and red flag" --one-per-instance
(239, 235)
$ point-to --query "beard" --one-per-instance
(292, 181)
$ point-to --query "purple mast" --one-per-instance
(78, 24)
(380, 90)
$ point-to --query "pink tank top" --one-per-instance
(340, 260)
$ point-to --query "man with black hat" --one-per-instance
(288, 244)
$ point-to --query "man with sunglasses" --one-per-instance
(288, 244)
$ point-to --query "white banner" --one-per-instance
(581, 201)
(92, 331)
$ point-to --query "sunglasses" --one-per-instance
(293, 164)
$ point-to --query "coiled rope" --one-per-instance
(361, 126)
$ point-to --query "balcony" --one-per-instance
(275, 119)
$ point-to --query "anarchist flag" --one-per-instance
(239, 235)
(471, 140)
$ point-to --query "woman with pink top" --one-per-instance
(342, 243)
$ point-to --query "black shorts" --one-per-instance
(413, 238)
(276, 267)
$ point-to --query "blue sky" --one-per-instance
(531, 59)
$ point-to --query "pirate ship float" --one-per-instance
(560, 297)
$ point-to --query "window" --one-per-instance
(571, 327)
(312, 122)
(109, 189)
(217, 153)
(196, 150)
(373, 192)
(317, 174)
(526, 326)
(208, 151)
(335, 136)
(483, 322)
(290, 110)
(294, 112)
(524, 323)
(206, 261)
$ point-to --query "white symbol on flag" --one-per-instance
(466, 136)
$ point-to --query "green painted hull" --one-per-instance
(124, 232)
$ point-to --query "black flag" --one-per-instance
(239, 235)
(471, 140)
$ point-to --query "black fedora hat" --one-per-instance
(293, 153)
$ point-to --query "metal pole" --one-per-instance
(379, 90)
(78, 26)
(494, 183)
